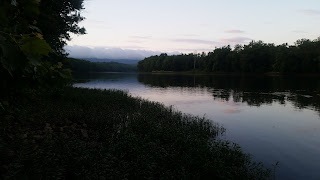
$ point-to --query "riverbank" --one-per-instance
(233, 73)
(96, 134)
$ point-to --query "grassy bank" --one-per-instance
(95, 134)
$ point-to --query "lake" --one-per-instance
(274, 118)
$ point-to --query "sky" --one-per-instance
(134, 29)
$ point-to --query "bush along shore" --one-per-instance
(107, 134)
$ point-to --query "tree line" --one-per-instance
(83, 66)
(255, 57)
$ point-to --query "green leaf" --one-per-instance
(35, 28)
(33, 46)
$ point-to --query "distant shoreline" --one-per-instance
(232, 73)
(205, 73)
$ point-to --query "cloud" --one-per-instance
(189, 50)
(310, 12)
(195, 41)
(234, 31)
(236, 40)
(108, 53)
(140, 37)
(135, 41)
(132, 47)
(299, 31)
(188, 35)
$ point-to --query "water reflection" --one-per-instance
(272, 118)
(302, 92)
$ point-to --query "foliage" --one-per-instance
(255, 57)
(21, 44)
(59, 18)
(96, 134)
(81, 66)
(29, 57)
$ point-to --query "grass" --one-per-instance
(107, 134)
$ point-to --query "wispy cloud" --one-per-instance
(132, 47)
(140, 37)
(297, 31)
(310, 12)
(188, 35)
(235, 40)
(135, 41)
(234, 31)
(190, 50)
(194, 41)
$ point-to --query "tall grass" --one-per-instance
(107, 134)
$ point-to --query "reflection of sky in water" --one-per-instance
(271, 132)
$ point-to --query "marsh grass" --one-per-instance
(107, 134)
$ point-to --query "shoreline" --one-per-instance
(209, 73)
(92, 133)
(233, 73)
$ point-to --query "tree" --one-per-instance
(59, 18)
(21, 43)
(26, 41)
(221, 59)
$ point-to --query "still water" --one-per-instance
(273, 118)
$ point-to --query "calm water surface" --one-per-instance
(272, 118)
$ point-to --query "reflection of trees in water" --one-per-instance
(303, 92)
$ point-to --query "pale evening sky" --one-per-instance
(134, 28)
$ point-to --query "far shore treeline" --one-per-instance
(255, 57)
(83, 66)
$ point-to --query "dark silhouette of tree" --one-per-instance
(59, 18)
(32, 35)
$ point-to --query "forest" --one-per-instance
(255, 57)
(83, 66)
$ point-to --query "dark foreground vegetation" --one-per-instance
(91, 134)
(255, 57)
(84, 66)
